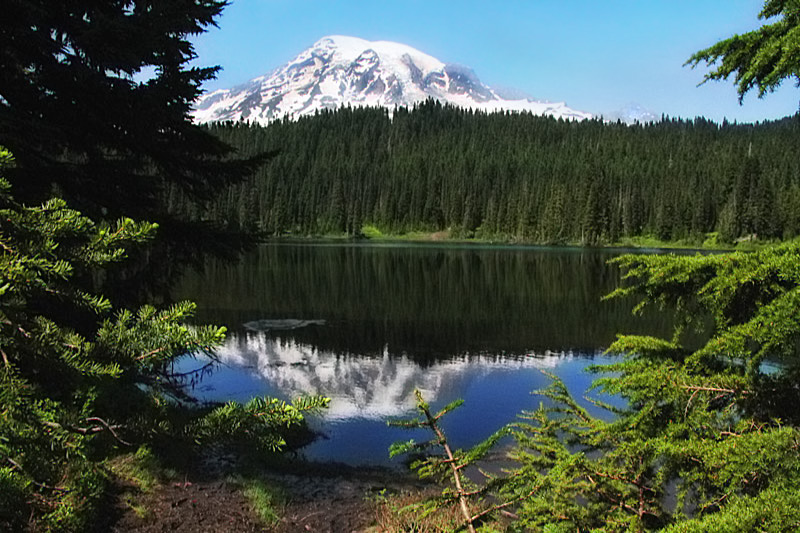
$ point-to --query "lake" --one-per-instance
(366, 324)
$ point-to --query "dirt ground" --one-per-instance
(330, 501)
(316, 497)
(203, 506)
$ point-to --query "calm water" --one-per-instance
(366, 324)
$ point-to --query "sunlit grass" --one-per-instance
(266, 500)
(142, 469)
(403, 511)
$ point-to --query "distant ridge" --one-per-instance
(339, 70)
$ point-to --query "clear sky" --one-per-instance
(596, 55)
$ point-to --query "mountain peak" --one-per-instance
(340, 70)
(350, 48)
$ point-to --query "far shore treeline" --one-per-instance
(513, 177)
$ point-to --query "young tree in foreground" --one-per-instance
(448, 466)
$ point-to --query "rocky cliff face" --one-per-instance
(340, 70)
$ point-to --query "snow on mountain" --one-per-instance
(339, 70)
(632, 113)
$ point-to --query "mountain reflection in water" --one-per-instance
(365, 392)
(362, 387)
(367, 324)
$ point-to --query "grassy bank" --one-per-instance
(372, 233)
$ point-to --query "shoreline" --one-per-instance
(435, 238)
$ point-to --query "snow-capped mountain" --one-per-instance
(339, 70)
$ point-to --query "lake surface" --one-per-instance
(366, 324)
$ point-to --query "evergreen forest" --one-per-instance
(512, 177)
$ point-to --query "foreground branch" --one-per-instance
(100, 426)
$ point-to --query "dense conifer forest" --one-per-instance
(513, 177)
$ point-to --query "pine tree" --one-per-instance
(95, 100)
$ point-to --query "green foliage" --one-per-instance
(79, 379)
(762, 58)
(371, 231)
(13, 498)
(55, 373)
(262, 421)
(141, 468)
(709, 433)
(773, 510)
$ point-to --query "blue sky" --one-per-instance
(596, 55)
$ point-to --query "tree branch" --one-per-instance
(151, 352)
(715, 389)
(103, 426)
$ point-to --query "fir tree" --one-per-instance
(71, 396)
(94, 104)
